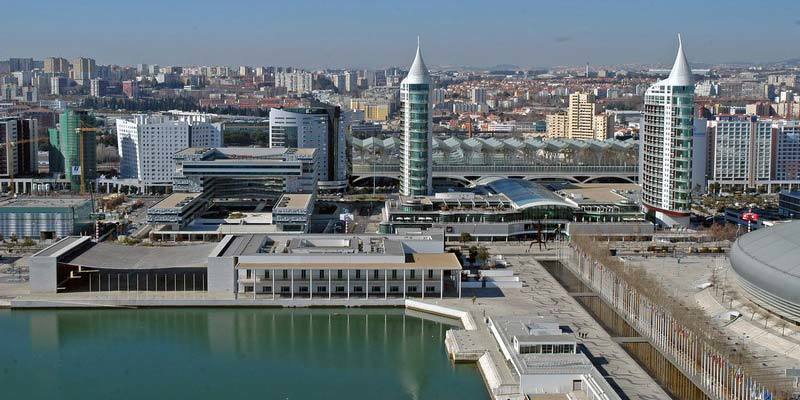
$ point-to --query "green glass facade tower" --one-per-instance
(65, 150)
(417, 165)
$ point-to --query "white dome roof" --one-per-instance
(418, 73)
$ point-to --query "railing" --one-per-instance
(709, 369)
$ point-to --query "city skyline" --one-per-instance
(360, 36)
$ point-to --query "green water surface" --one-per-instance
(228, 354)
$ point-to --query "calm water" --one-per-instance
(228, 354)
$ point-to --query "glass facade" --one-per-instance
(416, 165)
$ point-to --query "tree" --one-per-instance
(482, 255)
(464, 237)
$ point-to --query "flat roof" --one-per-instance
(437, 261)
(600, 192)
(54, 201)
(294, 200)
(174, 199)
(56, 248)
(109, 255)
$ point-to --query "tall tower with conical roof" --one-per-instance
(665, 154)
(417, 162)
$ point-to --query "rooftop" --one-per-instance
(524, 194)
(175, 200)
(294, 201)
(111, 255)
(599, 192)
(28, 202)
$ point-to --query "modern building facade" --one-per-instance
(742, 149)
(19, 145)
(147, 144)
(72, 150)
(295, 82)
(665, 165)
(317, 128)
(417, 153)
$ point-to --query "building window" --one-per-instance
(303, 289)
(266, 289)
(302, 274)
(394, 289)
(339, 274)
(285, 289)
(394, 274)
(322, 274)
(375, 274)
(340, 289)
(411, 289)
(322, 289)
(286, 274)
(430, 273)
(248, 289)
(358, 274)
(411, 275)
(376, 289)
(266, 274)
(357, 289)
(247, 274)
(430, 288)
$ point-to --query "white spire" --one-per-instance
(681, 74)
(418, 73)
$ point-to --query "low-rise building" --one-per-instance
(44, 217)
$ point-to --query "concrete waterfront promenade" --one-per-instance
(541, 295)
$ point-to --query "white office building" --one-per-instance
(147, 144)
(665, 164)
(316, 128)
(295, 82)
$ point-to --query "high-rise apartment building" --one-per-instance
(147, 144)
(665, 156)
(742, 149)
(98, 87)
(56, 65)
(130, 89)
(317, 128)
(787, 150)
(417, 148)
(58, 84)
(18, 146)
(580, 121)
(73, 151)
(83, 70)
(478, 95)
(295, 82)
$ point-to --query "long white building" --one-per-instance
(665, 164)
(147, 144)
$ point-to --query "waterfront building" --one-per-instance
(72, 150)
(147, 144)
(266, 266)
(44, 218)
(665, 165)
(547, 361)
(417, 158)
(317, 128)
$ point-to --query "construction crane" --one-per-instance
(81, 132)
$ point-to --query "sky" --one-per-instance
(379, 33)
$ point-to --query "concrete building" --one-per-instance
(373, 109)
(665, 164)
(478, 95)
(742, 150)
(787, 151)
(130, 89)
(580, 117)
(98, 87)
(417, 158)
(147, 144)
(56, 65)
(44, 218)
(546, 360)
(317, 128)
(83, 70)
(295, 82)
(19, 139)
(58, 85)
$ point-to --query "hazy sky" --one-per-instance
(373, 33)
